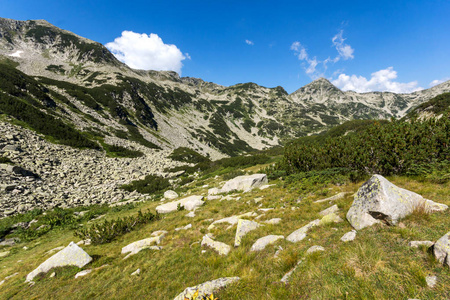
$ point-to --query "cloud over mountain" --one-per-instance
(147, 52)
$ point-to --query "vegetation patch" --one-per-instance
(106, 231)
(119, 151)
(187, 155)
(151, 184)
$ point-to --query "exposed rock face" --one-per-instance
(72, 255)
(261, 243)
(244, 183)
(188, 203)
(441, 249)
(219, 247)
(315, 248)
(206, 288)
(332, 209)
(379, 200)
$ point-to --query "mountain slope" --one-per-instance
(90, 90)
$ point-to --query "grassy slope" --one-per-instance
(377, 265)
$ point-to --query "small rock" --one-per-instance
(3, 254)
(191, 214)
(83, 273)
(207, 288)
(332, 198)
(300, 234)
(261, 243)
(137, 246)
(349, 236)
(330, 218)
(52, 275)
(286, 276)
(273, 221)
(189, 203)
(431, 281)
(184, 228)
(314, 249)
(417, 244)
(219, 247)
(137, 272)
(329, 210)
(170, 195)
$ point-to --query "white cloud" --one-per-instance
(439, 81)
(147, 52)
(382, 81)
(312, 67)
(302, 55)
(249, 42)
(345, 51)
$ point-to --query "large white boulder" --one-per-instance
(441, 249)
(380, 200)
(244, 183)
(189, 203)
(206, 288)
(72, 255)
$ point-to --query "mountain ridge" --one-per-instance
(170, 111)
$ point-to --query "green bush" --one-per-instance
(5, 160)
(149, 185)
(106, 231)
(119, 151)
(187, 155)
(396, 147)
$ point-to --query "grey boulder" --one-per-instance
(244, 183)
(72, 255)
(441, 249)
(380, 200)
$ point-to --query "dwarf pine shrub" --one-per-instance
(106, 231)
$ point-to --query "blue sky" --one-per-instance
(380, 45)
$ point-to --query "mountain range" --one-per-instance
(80, 83)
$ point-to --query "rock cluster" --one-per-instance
(44, 175)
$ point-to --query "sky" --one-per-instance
(398, 46)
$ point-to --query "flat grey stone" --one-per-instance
(261, 243)
(315, 248)
(349, 236)
(206, 288)
(273, 221)
(219, 247)
(188, 203)
(300, 234)
(244, 227)
(72, 255)
(417, 244)
(329, 210)
(137, 246)
(170, 195)
(332, 198)
(286, 276)
(83, 273)
(244, 183)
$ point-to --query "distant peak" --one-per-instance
(322, 80)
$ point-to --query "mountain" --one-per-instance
(77, 83)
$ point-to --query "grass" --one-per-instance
(377, 265)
